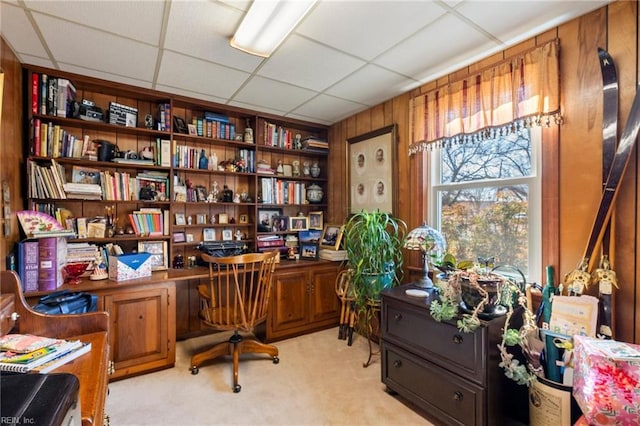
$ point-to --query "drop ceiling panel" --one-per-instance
(199, 76)
(273, 94)
(357, 86)
(329, 108)
(217, 23)
(18, 32)
(97, 50)
(366, 32)
(434, 47)
(137, 20)
(305, 63)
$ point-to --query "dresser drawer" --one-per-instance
(414, 329)
(438, 392)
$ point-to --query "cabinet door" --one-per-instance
(142, 329)
(324, 304)
(187, 308)
(289, 298)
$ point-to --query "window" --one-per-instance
(485, 198)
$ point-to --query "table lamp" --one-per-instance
(429, 241)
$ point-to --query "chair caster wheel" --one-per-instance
(237, 388)
(276, 360)
(194, 370)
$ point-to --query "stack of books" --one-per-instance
(315, 144)
(333, 255)
(27, 353)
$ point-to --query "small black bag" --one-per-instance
(67, 302)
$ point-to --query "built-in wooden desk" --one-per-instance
(92, 368)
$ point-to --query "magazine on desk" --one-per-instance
(53, 355)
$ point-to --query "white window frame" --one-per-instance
(534, 213)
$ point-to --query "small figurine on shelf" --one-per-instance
(306, 171)
(213, 161)
(238, 235)
(178, 261)
(236, 198)
(297, 141)
(280, 168)
(214, 192)
(296, 167)
(99, 268)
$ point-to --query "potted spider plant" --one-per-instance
(374, 242)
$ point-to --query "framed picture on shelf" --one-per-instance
(331, 237)
(179, 237)
(298, 223)
(315, 220)
(372, 167)
(223, 218)
(309, 251)
(201, 193)
(243, 218)
(280, 223)
(179, 125)
(159, 256)
(208, 234)
(181, 220)
(190, 238)
(265, 219)
(227, 235)
(201, 219)
(192, 129)
(310, 236)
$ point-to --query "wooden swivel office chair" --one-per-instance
(236, 298)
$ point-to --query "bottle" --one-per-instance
(204, 161)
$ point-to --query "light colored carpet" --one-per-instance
(319, 381)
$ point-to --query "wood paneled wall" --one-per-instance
(572, 172)
(11, 151)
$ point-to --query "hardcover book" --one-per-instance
(51, 254)
(28, 265)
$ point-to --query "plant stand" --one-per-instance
(371, 316)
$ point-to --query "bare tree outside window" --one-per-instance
(483, 199)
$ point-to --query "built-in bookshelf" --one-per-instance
(106, 152)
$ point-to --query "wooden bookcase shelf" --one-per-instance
(220, 131)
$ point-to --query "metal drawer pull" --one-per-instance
(457, 339)
(457, 396)
(397, 317)
(397, 363)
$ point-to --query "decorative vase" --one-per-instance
(315, 169)
(314, 193)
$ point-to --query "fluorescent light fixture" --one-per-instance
(267, 23)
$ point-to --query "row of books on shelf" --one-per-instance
(49, 181)
(280, 137)
(190, 157)
(51, 95)
(150, 221)
(213, 125)
(278, 191)
(27, 353)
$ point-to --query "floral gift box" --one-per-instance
(606, 381)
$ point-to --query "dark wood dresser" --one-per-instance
(451, 376)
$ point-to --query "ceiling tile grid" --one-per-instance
(343, 57)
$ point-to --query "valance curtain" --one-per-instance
(520, 92)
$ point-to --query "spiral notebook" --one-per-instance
(23, 363)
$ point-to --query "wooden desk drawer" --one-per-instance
(441, 343)
(438, 392)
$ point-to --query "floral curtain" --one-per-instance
(522, 91)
